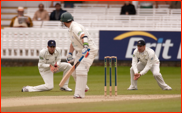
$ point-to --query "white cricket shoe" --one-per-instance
(24, 89)
(168, 88)
(77, 97)
(132, 88)
(65, 89)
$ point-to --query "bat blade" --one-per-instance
(66, 76)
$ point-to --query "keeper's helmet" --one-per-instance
(66, 17)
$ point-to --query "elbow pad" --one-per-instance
(85, 41)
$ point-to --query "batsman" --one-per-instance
(81, 42)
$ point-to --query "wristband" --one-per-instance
(70, 53)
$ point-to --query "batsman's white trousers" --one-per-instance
(155, 69)
(81, 73)
(49, 79)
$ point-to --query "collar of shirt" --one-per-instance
(53, 53)
(144, 52)
(41, 11)
(141, 53)
(71, 25)
(57, 12)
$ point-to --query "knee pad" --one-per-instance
(81, 70)
(88, 61)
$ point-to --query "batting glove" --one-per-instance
(70, 57)
(84, 50)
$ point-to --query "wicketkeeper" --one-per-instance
(147, 61)
(50, 63)
(80, 41)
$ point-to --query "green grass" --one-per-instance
(162, 105)
(14, 78)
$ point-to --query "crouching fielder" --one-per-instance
(80, 41)
(50, 63)
(147, 61)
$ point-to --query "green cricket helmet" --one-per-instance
(66, 17)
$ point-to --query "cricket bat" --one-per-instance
(68, 74)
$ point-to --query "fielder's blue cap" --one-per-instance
(51, 43)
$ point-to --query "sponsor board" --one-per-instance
(166, 44)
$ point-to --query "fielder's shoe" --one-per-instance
(77, 97)
(132, 88)
(168, 88)
(24, 89)
(65, 89)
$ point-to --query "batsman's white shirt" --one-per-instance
(75, 31)
(147, 58)
(45, 59)
(81, 72)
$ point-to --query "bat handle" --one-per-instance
(85, 55)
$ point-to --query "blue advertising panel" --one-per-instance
(166, 44)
